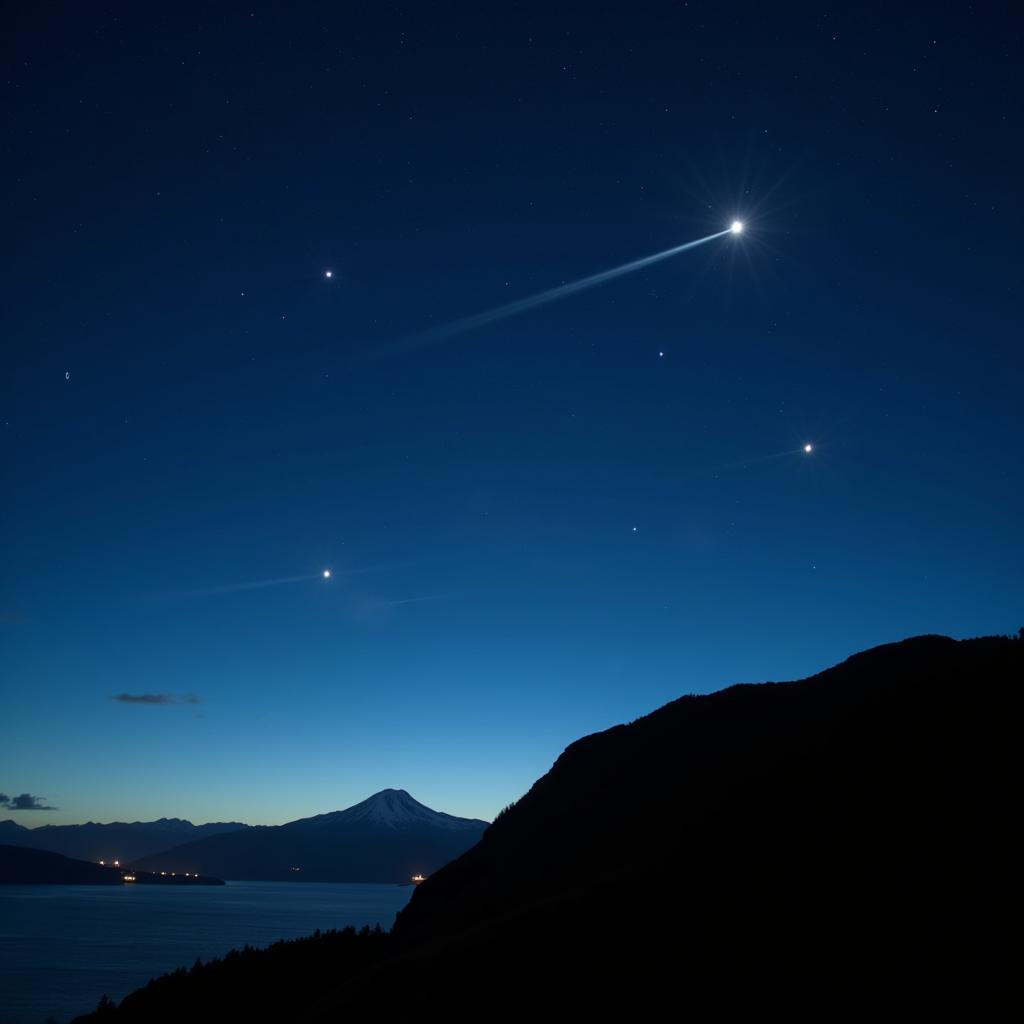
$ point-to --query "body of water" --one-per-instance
(63, 946)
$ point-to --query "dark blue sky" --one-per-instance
(537, 529)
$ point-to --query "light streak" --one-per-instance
(490, 316)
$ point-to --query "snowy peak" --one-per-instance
(394, 809)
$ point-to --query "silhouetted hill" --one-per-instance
(386, 838)
(118, 840)
(20, 865)
(840, 845)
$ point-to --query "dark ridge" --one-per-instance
(840, 845)
(117, 840)
(21, 865)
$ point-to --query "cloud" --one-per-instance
(24, 802)
(157, 698)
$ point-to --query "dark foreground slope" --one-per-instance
(840, 844)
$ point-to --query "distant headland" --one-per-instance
(21, 865)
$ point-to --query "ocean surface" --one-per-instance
(63, 946)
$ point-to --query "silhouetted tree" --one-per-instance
(106, 1006)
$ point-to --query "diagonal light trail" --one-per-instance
(278, 581)
(489, 316)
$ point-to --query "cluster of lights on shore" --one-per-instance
(131, 877)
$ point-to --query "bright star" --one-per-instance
(327, 574)
(808, 448)
(328, 273)
(736, 227)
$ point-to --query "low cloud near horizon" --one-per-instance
(157, 698)
(24, 802)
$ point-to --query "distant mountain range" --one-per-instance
(123, 841)
(386, 838)
(841, 846)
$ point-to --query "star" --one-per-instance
(328, 274)
(808, 448)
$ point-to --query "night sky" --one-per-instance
(537, 528)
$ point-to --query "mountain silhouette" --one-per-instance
(118, 840)
(841, 845)
(21, 865)
(386, 838)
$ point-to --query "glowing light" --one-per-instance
(736, 227)
(327, 574)
(808, 448)
(328, 274)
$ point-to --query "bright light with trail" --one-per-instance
(327, 574)
(808, 448)
(736, 227)
(470, 323)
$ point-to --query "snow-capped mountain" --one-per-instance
(386, 838)
(391, 808)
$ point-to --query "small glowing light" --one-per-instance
(117, 863)
(736, 227)
(328, 273)
(327, 574)
(808, 448)
(661, 355)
